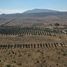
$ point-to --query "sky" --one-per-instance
(19, 6)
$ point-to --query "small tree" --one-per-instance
(56, 24)
(8, 65)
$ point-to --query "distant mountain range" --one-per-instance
(35, 12)
(34, 16)
(40, 11)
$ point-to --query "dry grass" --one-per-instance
(33, 57)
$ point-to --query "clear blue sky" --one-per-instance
(22, 5)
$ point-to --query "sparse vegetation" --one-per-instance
(33, 47)
(8, 65)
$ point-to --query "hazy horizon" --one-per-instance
(16, 6)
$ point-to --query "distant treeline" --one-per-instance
(8, 30)
(40, 45)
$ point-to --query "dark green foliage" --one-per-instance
(10, 30)
(8, 65)
(56, 24)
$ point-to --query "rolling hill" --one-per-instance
(34, 16)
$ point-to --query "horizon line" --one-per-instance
(16, 11)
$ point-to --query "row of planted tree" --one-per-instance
(40, 45)
(28, 31)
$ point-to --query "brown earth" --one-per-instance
(33, 57)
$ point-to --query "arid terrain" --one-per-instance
(35, 38)
(33, 46)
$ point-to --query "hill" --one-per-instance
(34, 16)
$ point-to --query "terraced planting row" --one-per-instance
(44, 45)
(29, 31)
